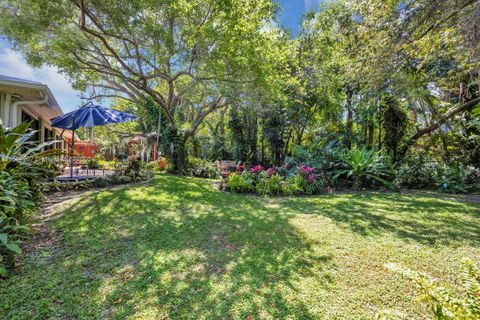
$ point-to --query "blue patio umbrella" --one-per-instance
(89, 115)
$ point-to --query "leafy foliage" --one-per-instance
(22, 168)
(202, 168)
(395, 125)
(458, 179)
(364, 164)
(269, 185)
(274, 181)
(240, 183)
(417, 172)
(444, 303)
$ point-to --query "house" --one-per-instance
(25, 100)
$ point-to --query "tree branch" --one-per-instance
(434, 126)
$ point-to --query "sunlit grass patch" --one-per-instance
(181, 249)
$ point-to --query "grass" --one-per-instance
(179, 249)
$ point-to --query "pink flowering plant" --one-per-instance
(298, 180)
(256, 169)
(305, 170)
(271, 171)
(311, 178)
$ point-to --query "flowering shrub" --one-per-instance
(256, 169)
(310, 178)
(277, 181)
(271, 171)
(305, 170)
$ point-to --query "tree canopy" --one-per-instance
(222, 79)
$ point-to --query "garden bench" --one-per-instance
(226, 167)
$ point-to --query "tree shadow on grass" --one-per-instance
(427, 220)
(181, 249)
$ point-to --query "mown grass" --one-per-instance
(179, 249)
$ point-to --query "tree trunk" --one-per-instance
(349, 126)
(176, 150)
(289, 136)
(371, 131)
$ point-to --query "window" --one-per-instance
(35, 125)
(49, 136)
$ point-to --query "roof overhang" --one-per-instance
(13, 82)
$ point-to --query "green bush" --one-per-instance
(240, 183)
(16, 205)
(416, 172)
(321, 156)
(107, 165)
(11, 236)
(458, 179)
(22, 169)
(134, 166)
(270, 185)
(444, 303)
(294, 185)
(201, 168)
(315, 186)
(93, 163)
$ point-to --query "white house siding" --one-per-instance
(12, 90)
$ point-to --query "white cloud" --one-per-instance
(14, 65)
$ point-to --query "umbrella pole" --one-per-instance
(72, 153)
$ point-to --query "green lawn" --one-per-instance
(179, 249)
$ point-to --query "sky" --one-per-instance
(13, 64)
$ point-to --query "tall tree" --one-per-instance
(432, 42)
(194, 55)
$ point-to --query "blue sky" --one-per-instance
(13, 64)
(292, 11)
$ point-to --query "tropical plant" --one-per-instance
(201, 168)
(361, 164)
(94, 162)
(240, 183)
(417, 171)
(294, 185)
(458, 179)
(160, 165)
(134, 166)
(21, 171)
(17, 149)
(444, 303)
(269, 185)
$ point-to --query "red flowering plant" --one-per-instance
(313, 178)
(256, 169)
(305, 171)
(271, 171)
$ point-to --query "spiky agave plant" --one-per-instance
(361, 163)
